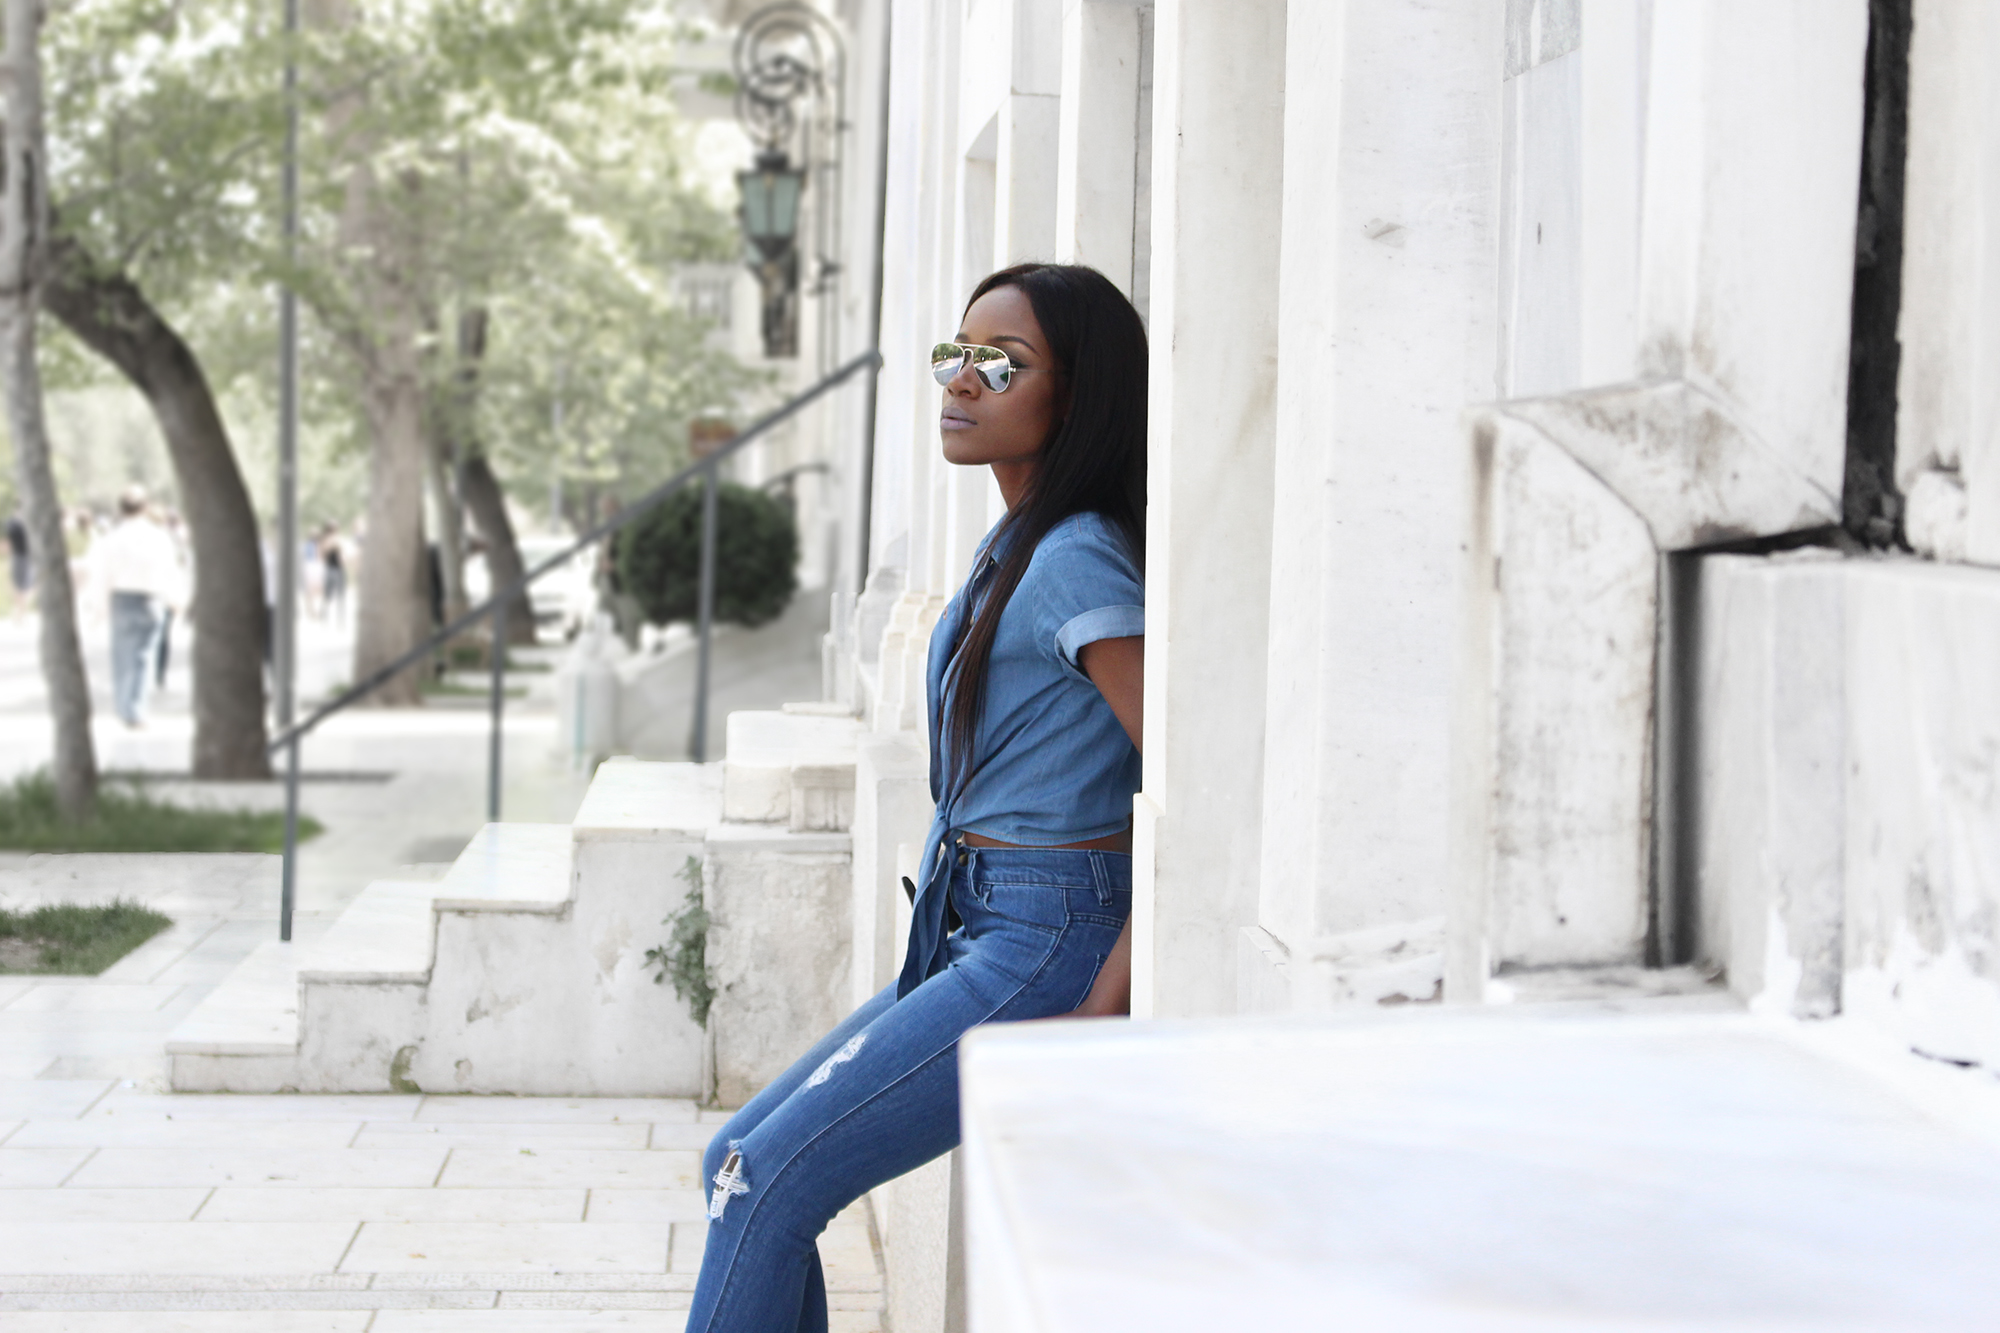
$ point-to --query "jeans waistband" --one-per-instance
(1043, 865)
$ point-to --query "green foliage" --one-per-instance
(521, 157)
(131, 819)
(74, 940)
(756, 549)
(684, 958)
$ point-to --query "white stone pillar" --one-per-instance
(1218, 126)
(1025, 202)
(1098, 137)
(1948, 418)
(1386, 328)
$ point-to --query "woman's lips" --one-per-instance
(952, 420)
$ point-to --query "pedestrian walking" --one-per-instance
(1034, 690)
(136, 561)
(20, 565)
(333, 555)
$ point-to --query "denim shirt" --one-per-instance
(1051, 764)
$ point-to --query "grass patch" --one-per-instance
(131, 819)
(71, 940)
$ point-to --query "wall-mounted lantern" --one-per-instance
(770, 217)
(789, 60)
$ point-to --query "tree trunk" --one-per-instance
(488, 506)
(24, 217)
(446, 512)
(110, 315)
(394, 614)
(479, 489)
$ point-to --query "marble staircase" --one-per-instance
(523, 967)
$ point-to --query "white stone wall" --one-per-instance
(1470, 322)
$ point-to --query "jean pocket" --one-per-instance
(1040, 906)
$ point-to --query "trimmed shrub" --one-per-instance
(756, 557)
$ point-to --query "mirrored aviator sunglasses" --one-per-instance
(995, 371)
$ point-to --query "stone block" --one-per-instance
(892, 806)
(1555, 759)
(764, 748)
(822, 798)
(1770, 778)
(923, 1247)
(776, 900)
(1922, 941)
(1534, 1168)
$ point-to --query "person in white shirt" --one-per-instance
(138, 563)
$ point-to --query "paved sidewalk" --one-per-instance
(126, 1210)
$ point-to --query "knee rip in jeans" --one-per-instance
(839, 1057)
(729, 1181)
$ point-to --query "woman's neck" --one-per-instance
(1014, 479)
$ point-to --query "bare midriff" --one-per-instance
(1120, 841)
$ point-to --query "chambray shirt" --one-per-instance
(1052, 764)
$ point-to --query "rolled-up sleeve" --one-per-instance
(1085, 587)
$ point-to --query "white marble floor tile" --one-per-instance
(390, 1168)
(502, 1247)
(152, 1131)
(24, 1059)
(689, 1239)
(525, 1321)
(244, 1204)
(190, 1321)
(590, 1168)
(10, 987)
(546, 1110)
(594, 1300)
(720, 1117)
(854, 1321)
(185, 1106)
(172, 1247)
(687, 1137)
(8, 1128)
(534, 1138)
(48, 1098)
(617, 1205)
(38, 1168)
(126, 1205)
(104, 998)
(156, 955)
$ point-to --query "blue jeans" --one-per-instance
(138, 620)
(878, 1096)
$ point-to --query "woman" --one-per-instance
(1034, 701)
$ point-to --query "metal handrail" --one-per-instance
(496, 607)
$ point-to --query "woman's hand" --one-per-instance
(1111, 994)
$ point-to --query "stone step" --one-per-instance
(387, 934)
(537, 963)
(792, 768)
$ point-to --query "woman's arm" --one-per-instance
(1118, 668)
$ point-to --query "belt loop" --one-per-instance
(1100, 877)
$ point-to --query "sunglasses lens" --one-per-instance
(946, 360)
(993, 367)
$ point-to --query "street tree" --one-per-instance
(156, 124)
(24, 247)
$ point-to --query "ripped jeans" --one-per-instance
(878, 1096)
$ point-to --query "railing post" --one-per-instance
(288, 891)
(499, 702)
(705, 614)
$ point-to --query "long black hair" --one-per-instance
(1093, 461)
